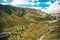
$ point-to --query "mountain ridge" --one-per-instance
(26, 12)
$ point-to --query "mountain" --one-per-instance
(21, 22)
(25, 12)
(18, 23)
(56, 15)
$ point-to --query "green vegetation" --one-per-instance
(22, 13)
(7, 10)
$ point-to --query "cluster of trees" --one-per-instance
(21, 13)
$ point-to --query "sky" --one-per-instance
(48, 6)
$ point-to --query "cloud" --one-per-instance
(5, 0)
(26, 2)
(49, 3)
(36, 7)
(31, 3)
(49, 6)
(4, 3)
(38, 3)
(53, 8)
(17, 2)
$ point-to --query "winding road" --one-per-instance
(15, 32)
(42, 37)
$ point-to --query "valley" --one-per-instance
(27, 24)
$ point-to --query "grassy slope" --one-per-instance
(15, 22)
(16, 19)
(55, 34)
